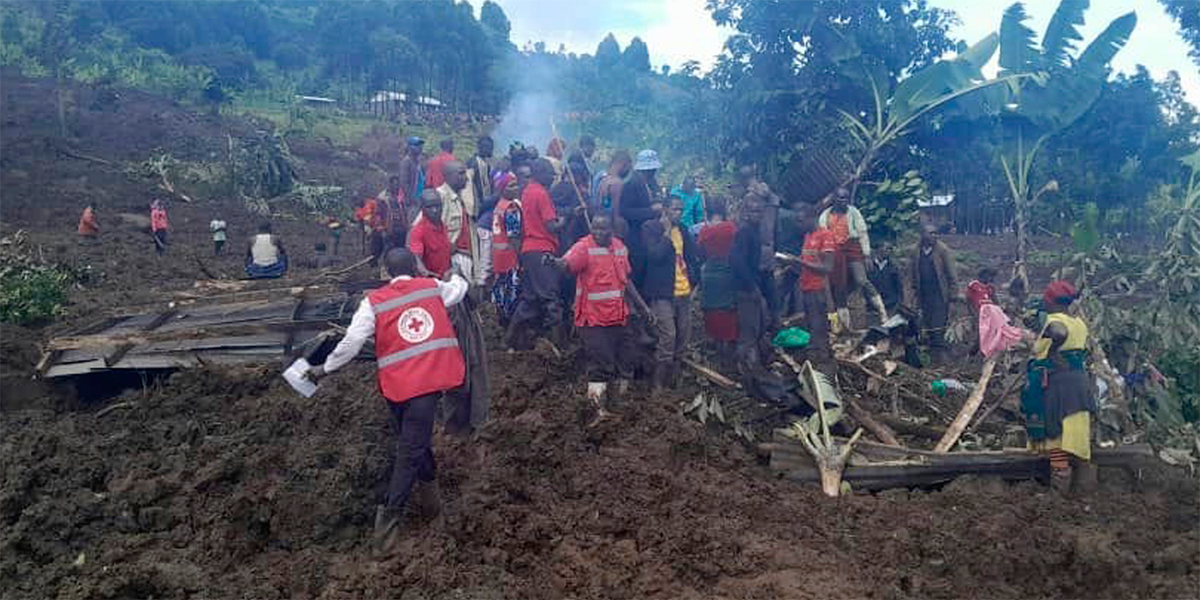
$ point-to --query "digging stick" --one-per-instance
(571, 176)
(968, 409)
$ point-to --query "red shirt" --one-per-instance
(434, 177)
(816, 245)
(717, 239)
(431, 244)
(537, 210)
(601, 276)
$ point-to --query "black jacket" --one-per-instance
(659, 283)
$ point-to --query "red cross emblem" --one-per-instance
(415, 325)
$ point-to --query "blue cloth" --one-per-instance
(693, 205)
(274, 271)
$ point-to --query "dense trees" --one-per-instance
(774, 99)
(1187, 13)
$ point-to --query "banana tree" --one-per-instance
(1058, 90)
(918, 94)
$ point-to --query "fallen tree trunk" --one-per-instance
(968, 410)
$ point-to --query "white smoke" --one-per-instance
(533, 81)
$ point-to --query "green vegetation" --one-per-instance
(31, 294)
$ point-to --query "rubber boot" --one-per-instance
(835, 324)
(844, 319)
(429, 499)
(387, 530)
(877, 302)
(597, 392)
(622, 388)
(659, 379)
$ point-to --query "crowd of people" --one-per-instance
(567, 252)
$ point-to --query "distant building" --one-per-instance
(318, 103)
(392, 102)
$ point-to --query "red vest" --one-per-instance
(600, 287)
(504, 250)
(415, 346)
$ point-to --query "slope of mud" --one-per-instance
(226, 484)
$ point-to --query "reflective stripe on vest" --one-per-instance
(500, 246)
(416, 350)
(610, 295)
(395, 303)
(602, 251)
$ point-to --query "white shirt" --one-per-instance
(264, 252)
(362, 325)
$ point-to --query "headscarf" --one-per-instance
(1059, 292)
(501, 179)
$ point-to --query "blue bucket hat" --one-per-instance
(647, 160)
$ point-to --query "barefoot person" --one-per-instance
(417, 355)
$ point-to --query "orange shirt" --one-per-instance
(816, 245)
(839, 224)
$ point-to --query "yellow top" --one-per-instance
(683, 287)
(1077, 333)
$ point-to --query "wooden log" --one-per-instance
(968, 409)
(881, 432)
(712, 375)
(929, 432)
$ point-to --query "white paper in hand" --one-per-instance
(294, 375)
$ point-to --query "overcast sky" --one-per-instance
(680, 30)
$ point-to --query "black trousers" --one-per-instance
(752, 328)
(412, 422)
(606, 349)
(816, 320)
(538, 309)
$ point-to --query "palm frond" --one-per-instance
(819, 392)
(1100, 52)
(1017, 49)
(1062, 32)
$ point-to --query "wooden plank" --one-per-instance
(157, 361)
(78, 368)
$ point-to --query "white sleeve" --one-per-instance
(452, 291)
(362, 327)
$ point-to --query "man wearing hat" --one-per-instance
(1058, 399)
(635, 207)
(411, 177)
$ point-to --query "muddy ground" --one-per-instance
(219, 483)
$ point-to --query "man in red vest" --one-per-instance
(418, 358)
(600, 263)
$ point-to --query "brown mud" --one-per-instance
(217, 483)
